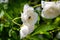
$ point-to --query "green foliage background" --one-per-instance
(45, 29)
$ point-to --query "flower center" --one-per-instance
(29, 17)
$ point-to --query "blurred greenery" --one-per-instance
(45, 29)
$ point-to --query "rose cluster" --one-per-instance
(29, 17)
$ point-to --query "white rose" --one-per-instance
(29, 17)
(25, 30)
(50, 10)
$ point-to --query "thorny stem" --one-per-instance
(15, 22)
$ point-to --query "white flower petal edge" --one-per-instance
(27, 7)
(44, 3)
(50, 10)
(58, 4)
(29, 17)
(25, 30)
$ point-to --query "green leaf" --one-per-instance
(44, 28)
(14, 35)
(57, 21)
(34, 38)
(1, 27)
